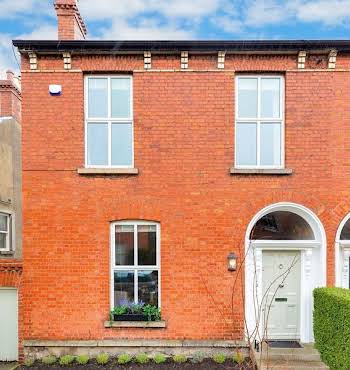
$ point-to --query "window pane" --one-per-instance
(120, 97)
(246, 144)
(3, 241)
(282, 225)
(98, 97)
(3, 222)
(122, 144)
(124, 245)
(345, 233)
(148, 287)
(97, 143)
(147, 245)
(270, 145)
(270, 97)
(123, 287)
(247, 97)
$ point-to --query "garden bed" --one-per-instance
(206, 364)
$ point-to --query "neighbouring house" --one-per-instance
(151, 168)
(10, 214)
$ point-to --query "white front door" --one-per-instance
(8, 325)
(281, 294)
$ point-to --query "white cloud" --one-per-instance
(260, 13)
(146, 30)
(45, 32)
(7, 58)
(15, 8)
(328, 12)
(109, 9)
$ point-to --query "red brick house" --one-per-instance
(147, 164)
(10, 215)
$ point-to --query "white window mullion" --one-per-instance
(136, 287)
(109, 143)
(258, 143)
(136, 291)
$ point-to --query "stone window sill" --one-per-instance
(260, 171)
(108, 171)
(135, 324)
(7, 253)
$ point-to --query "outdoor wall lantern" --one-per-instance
(232, 262)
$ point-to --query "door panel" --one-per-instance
(8, 325)
(281, 294)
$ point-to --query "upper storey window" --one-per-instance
(5, 232)
(259, 122)
(108, 121)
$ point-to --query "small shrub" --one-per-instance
(180, 359)
(82, 359)
(49, 360)
(141, 358)
(28, 362)
(159, 358)
(198, 357)
(219, 358)
(102, 358)
(66, 360)
(332, 326)
(238, 357)
(124, 359)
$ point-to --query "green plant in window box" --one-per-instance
(152, 312)
(130, 311)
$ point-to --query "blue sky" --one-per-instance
(178, 19)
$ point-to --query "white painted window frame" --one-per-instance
(109, 120)
(9, 233)
(259, 120)
(135, 267)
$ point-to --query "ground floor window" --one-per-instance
(135, 262)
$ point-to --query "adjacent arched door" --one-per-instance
(342, 254)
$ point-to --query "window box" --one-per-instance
(130, 317)
(136, 324)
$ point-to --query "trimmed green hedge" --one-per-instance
(332, 326)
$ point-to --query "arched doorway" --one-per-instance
(285, 247)
(342, 254)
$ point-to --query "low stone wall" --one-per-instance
(40, 348)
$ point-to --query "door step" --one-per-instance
(303, 358)
(292, 365)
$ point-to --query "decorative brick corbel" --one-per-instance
(33, 60)
(184, 59)
(332, 59)
(147, 60)
(301, 59)
(67, 60)
(221, 59)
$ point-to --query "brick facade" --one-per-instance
(184, 148)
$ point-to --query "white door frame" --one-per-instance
(16, 290)
(312, 267)
(342, 255)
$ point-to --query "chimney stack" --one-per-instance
(70, 23)
(10, 97)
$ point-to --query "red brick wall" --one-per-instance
(184, 145)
